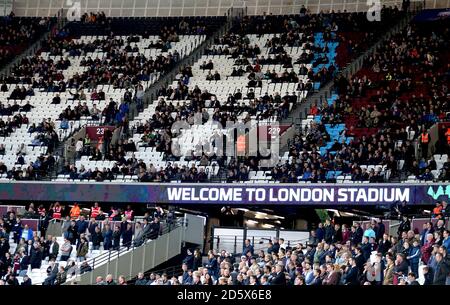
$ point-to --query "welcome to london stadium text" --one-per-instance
(288, 194)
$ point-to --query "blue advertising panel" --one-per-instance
(287, 194)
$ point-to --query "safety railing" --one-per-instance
(111, 254)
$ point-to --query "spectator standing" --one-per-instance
(107, 237)
(82, 249)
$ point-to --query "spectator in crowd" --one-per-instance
(82, 249)
(66, 250)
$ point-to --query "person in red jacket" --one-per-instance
(427, 248)
(95, 210)
(345, 234)
(129, 213)
(57, 210)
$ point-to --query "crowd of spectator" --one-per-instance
(394, 63)
(169, 30)
(237, 45)
(400, 93)
(17, 33)
(118, 68)
(335, 254)
(109, 230)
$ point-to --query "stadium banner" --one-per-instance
(233, 194)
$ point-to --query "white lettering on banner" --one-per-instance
(385, 195)
(260, 194)
(250, 192)
(372, 195)
(301, 195)
(289, 194)
(329, 195)
(307, 196)
(174, 194)
(186, 194)
(402, 196)
(283, 195)
(361, 195)
(342, 195)
(204, 194)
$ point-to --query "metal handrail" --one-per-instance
(255, 245)
(170, 271)
(122, 249)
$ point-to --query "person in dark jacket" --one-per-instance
(72, 233)
(275, 247)
(401, 266)
(320, 233)
(351, 274)
(441, 271)
(279, 277)
(313, 240)
(384, 245)
(428, 276)
(12, 280)
(427, 229)
(24, 262)
(92, 225)
(366, 248)
(141, 280)
(123, 225)
(248, 247)
(116, 238)
(405, 226)
(36, 256)
(82, 249)
(359, 232)
(329, 231)
(53, 248)
(412, 279)
(317, 281)
(107, 237)
(127, 236)
(359, 258)
(85, 267)
(381, 229)
(337, 235)
(26, 281)
(52, 272)
(354, 236)
(96, 238)
(189, 259)
(155, 229)
(414, 257)
(212, 266)
(82, 225)
(185, 275)
(197, 260)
